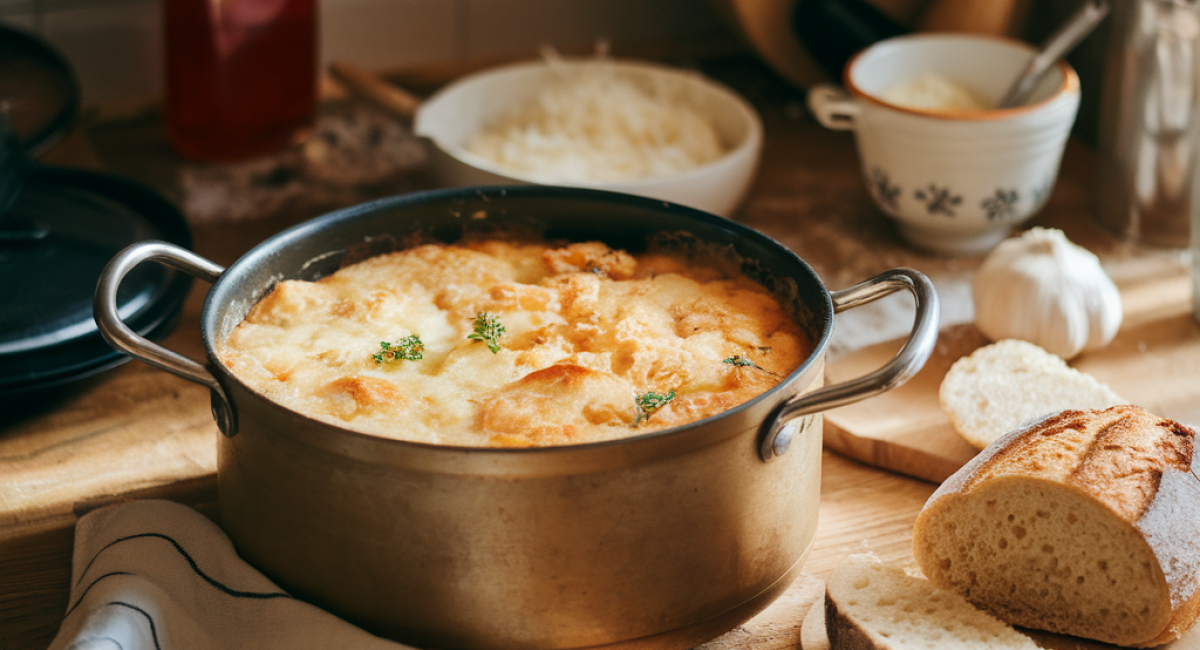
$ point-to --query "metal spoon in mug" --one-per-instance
(1062, 41)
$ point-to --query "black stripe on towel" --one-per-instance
(89, 588)
(195, 567)
(149, 619)
(78, 644)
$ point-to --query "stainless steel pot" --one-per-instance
(660, 540)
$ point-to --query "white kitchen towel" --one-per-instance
(156, 575)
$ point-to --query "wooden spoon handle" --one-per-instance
(389, 97)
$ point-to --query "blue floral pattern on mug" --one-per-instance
(887, 193)
(1042, 192)
(938, 200)
(1000, 205)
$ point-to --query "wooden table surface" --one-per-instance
(138, 432)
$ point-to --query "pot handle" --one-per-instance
(124, 339)
(907, 362)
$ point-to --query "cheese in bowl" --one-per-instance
(496, 342)
(626, 126)
(590, 123)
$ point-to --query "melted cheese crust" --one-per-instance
(588, 330)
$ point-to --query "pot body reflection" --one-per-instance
(679, 537)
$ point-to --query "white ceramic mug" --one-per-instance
(955, 181)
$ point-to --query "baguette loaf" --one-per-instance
(873, 606)
(1084, 523)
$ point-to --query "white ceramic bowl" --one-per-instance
(453, 115)
(955, 183)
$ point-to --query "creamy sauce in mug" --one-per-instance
(932, 91)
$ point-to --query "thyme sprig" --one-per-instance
(408, 348)
(742, 361)
(648, 403)
(489, 330)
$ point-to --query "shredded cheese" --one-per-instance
(593, 124)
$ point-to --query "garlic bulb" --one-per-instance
(1041, 288)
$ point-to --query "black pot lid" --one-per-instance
(61, 231)
(38, 89)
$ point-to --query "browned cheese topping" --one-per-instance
(496, 343)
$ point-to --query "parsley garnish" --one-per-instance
(648, 403)
(489, 330)
(408, 348)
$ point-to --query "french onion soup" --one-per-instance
(498, 342)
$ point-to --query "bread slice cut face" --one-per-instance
(999, 386)
(1085, 523)
(873, 606)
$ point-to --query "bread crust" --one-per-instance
(844, 633)
(1135, 465)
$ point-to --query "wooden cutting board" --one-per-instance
(1153, 362)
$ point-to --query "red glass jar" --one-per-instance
(241, 76)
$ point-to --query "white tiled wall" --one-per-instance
(116, 45)
(115, 49)
(382, 34)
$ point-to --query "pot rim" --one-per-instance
(261, 254)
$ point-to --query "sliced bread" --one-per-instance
(873, 606)
(812, 629)
(1084, 523)
(1000, 386)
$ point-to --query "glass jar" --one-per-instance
(1150, 121)
(241, 76)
